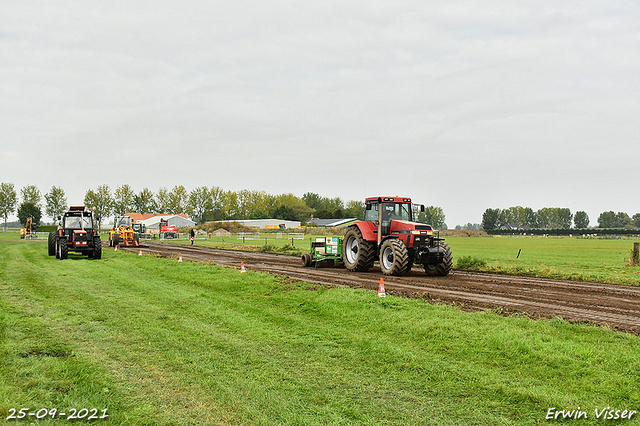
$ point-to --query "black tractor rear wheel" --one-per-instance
(97, 248)
(52, 243)
(443, 268)
(394, 257)
(63, 248)
(358, 255)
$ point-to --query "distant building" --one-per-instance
(152, 221)
(330, 222)
(267, 223)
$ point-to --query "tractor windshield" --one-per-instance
(390, 211)
(124, 221)
(78, 222)
(396, 211)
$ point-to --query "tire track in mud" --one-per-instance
(617, 306)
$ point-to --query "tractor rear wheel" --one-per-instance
(97, 248)
(443, 268)
(394, 257)
(63, 248)
(52, 243)
(358, 255)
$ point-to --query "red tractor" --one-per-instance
(389, 235)
(78, 231)
(166, 230)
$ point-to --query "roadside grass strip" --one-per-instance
(156, 342)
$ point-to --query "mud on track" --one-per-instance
(614, 305)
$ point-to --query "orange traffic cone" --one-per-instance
(381, 292)
(140, 252)
(115, 249)
(180, 258)
(242, 267)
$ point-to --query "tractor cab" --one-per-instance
(392, 209)
(122, 221)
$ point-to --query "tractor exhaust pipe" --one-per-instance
(379, 221)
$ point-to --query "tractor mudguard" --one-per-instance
(389, 237)
(367, 230)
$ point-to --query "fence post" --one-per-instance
(636, 253)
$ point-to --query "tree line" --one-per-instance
(202, 204)
(213, 203)
(519, 217)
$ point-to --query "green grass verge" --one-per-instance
(157, 342)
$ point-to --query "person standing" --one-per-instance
(192, 235)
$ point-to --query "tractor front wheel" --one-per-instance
(394, 257)
(97, 248)
(63, 248)
(358, 255)
(443, 268)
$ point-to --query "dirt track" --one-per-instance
(613, 305)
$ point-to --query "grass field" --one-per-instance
(156, 342)
(582, 259)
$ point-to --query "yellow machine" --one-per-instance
(123, 233)
(29, 231)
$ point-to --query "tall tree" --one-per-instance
(295, 204)
(215, 211)
(31, 194)
(545, 218)
(433, 216)
(8, 201)
(162, 201)
(56, 202)
(199, 203)
(313, 200)
(101, 201)
(228, 203)
(614, 220)
(563, 218)
(123, 199)
(623, 220)
(354, 209)
(177, 200)
(581, 220)
(636, 220)
(143, 202)
(490, 219)
(29, 210)
(531, 217)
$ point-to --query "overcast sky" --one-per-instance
(462, 105)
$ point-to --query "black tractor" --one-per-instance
(77, 232)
